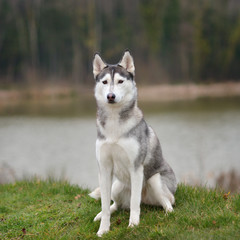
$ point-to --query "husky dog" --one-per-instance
(126, 147)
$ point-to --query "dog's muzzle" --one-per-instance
(111, 98)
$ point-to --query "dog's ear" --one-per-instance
(98, 65)
(127, 62)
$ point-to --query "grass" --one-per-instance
(57, 210)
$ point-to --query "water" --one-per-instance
(60, 148)
(199, 145)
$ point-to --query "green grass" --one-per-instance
(57, 210)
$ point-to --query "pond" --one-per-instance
(200, 140)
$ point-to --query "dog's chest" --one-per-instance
(123, 154)
(117, 145)
(114, 128)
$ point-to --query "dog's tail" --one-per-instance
(96, 194)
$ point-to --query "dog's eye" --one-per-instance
(120, 81)
(104, 82)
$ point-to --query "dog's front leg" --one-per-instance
(136, 193)
(105, 187)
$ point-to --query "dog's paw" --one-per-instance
(168, 209)
(133, 222)
(131, 225)
(98, 217)
(101, 232)
(134, 218)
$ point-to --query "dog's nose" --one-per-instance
(111, 96)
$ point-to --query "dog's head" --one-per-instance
(114, 83)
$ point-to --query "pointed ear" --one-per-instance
(98, 65)
(127, 62)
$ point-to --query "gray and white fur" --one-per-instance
(131, 166)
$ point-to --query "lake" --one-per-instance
(200, 140)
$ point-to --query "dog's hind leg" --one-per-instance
(96, 194)
(120, 196)
(157, 193)
(113, 208)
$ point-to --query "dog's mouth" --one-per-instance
(111, 101)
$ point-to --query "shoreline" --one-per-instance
(153, 93)
(169, 93)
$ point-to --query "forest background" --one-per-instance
(172, 41)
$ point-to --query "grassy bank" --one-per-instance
(65, 101)
(56, 210)
(154, 93)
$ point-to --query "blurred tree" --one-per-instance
(171, 40)
(232, 59)
(211, 39)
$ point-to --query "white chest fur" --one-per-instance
(120, 154)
